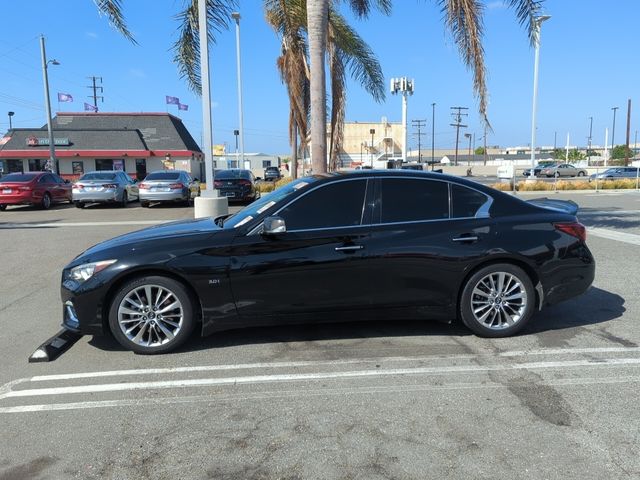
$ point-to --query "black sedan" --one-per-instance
(359, 246)
(236, 184)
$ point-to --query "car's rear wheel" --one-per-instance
(2, 207)
(152, 315)
(581, 174)
(79, 205)
(46, 201)
(144, 204)
(497, 301)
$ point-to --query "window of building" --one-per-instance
(14, 166)
(412, 200)
(104, 164)
(36, 164)
(334, 205)
(266, 163)
(141, 168)
(77, 168)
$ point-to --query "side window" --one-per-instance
(46, 179)
(338, 204)
(411, 200)
(466, 202)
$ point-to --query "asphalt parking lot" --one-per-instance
(367, 400)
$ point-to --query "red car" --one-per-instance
(33, 188)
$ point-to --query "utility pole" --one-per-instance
(457, 118)
(468, 135)
(589, 141)
(419, 124)
(433, 133)
(95, 87)
(555, 140)
(626, 150)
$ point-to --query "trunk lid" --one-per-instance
(563, 206)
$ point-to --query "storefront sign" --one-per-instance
(44, 141)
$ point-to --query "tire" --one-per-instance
(125, 200)
(495, 317)
(3, 208)
(46, 201)
(581, 174)
(79, 205)
(557, 174)
(144, 204)
(149, 335)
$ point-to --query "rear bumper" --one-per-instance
(236, 194)
(569, 279)
(97, 197)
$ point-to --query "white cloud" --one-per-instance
(93, 35)
(496, 4)
(137, 72)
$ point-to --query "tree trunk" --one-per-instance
(294, 153)
(317, 20)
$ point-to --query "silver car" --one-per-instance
(106, 186)
(563, 170)
(168, 186)
(615, 173)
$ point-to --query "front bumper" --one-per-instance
(82, 306)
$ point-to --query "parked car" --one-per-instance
(563, 170)
(272, 174)
(537, 168)
(168, 186)
(412, 166)
(358, 246)
(236, 184)
(33, 188)
(616, 173)
(105, 186)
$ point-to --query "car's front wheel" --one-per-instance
(581, 174)
(2, 207)
(46, 201)
(152, 314)
(497, 301)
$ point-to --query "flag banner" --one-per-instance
(172, 100)
(65, 97)
(181, 106)
(90, 108)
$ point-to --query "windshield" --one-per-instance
(264, 203)
(17, 177)
(163, 176)
(98, 176)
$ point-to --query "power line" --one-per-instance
(457, 118)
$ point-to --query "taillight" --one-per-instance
(575, 229)
(176, 185)
(143, 186)
(78, 186)
(246, 183)
(110, 185)
(25, 189)
(217, 184)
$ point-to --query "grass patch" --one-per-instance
(563, 185)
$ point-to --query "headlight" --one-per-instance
(84, 272)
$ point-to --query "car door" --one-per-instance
(426, 234)
(315, 267)
(62, 189)
(47, 184)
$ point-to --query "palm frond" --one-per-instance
(464, 18)
(526, 12)
(357, 56)
(362, 8)
(187, 48)
(112, 9)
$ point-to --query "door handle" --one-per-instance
(465, 239)
(349, 248)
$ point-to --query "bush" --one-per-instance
(266, 187)
(623, 183)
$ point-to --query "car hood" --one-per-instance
(180, 228)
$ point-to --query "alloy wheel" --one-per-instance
(150, 315)
(499, 300)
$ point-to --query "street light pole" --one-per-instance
(589, 142)
(51, 164)
(236, 17)
(433, 133)
(538, 23)
(613, 131)
(372, 132)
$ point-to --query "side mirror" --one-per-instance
(273, 225)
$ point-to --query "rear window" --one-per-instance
(229, 174)
(272, 169)
(98, 176)
(465, 201)
(163, 176)
(17, 177)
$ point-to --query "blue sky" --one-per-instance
(588, 64)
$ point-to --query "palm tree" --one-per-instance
(464, 19)
(186, 49)
(347, 53)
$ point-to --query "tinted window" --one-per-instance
(46, 179)
(98, 176)
(17, 177)
(465, 202)
(163, 176)
(334, 205)
(231, 174)
(409, 200)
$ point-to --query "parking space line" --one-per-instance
(311, 363)
(630, 238)
(301, 377)
(82, 224)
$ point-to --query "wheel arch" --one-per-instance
(145, 272)
(526, 267)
